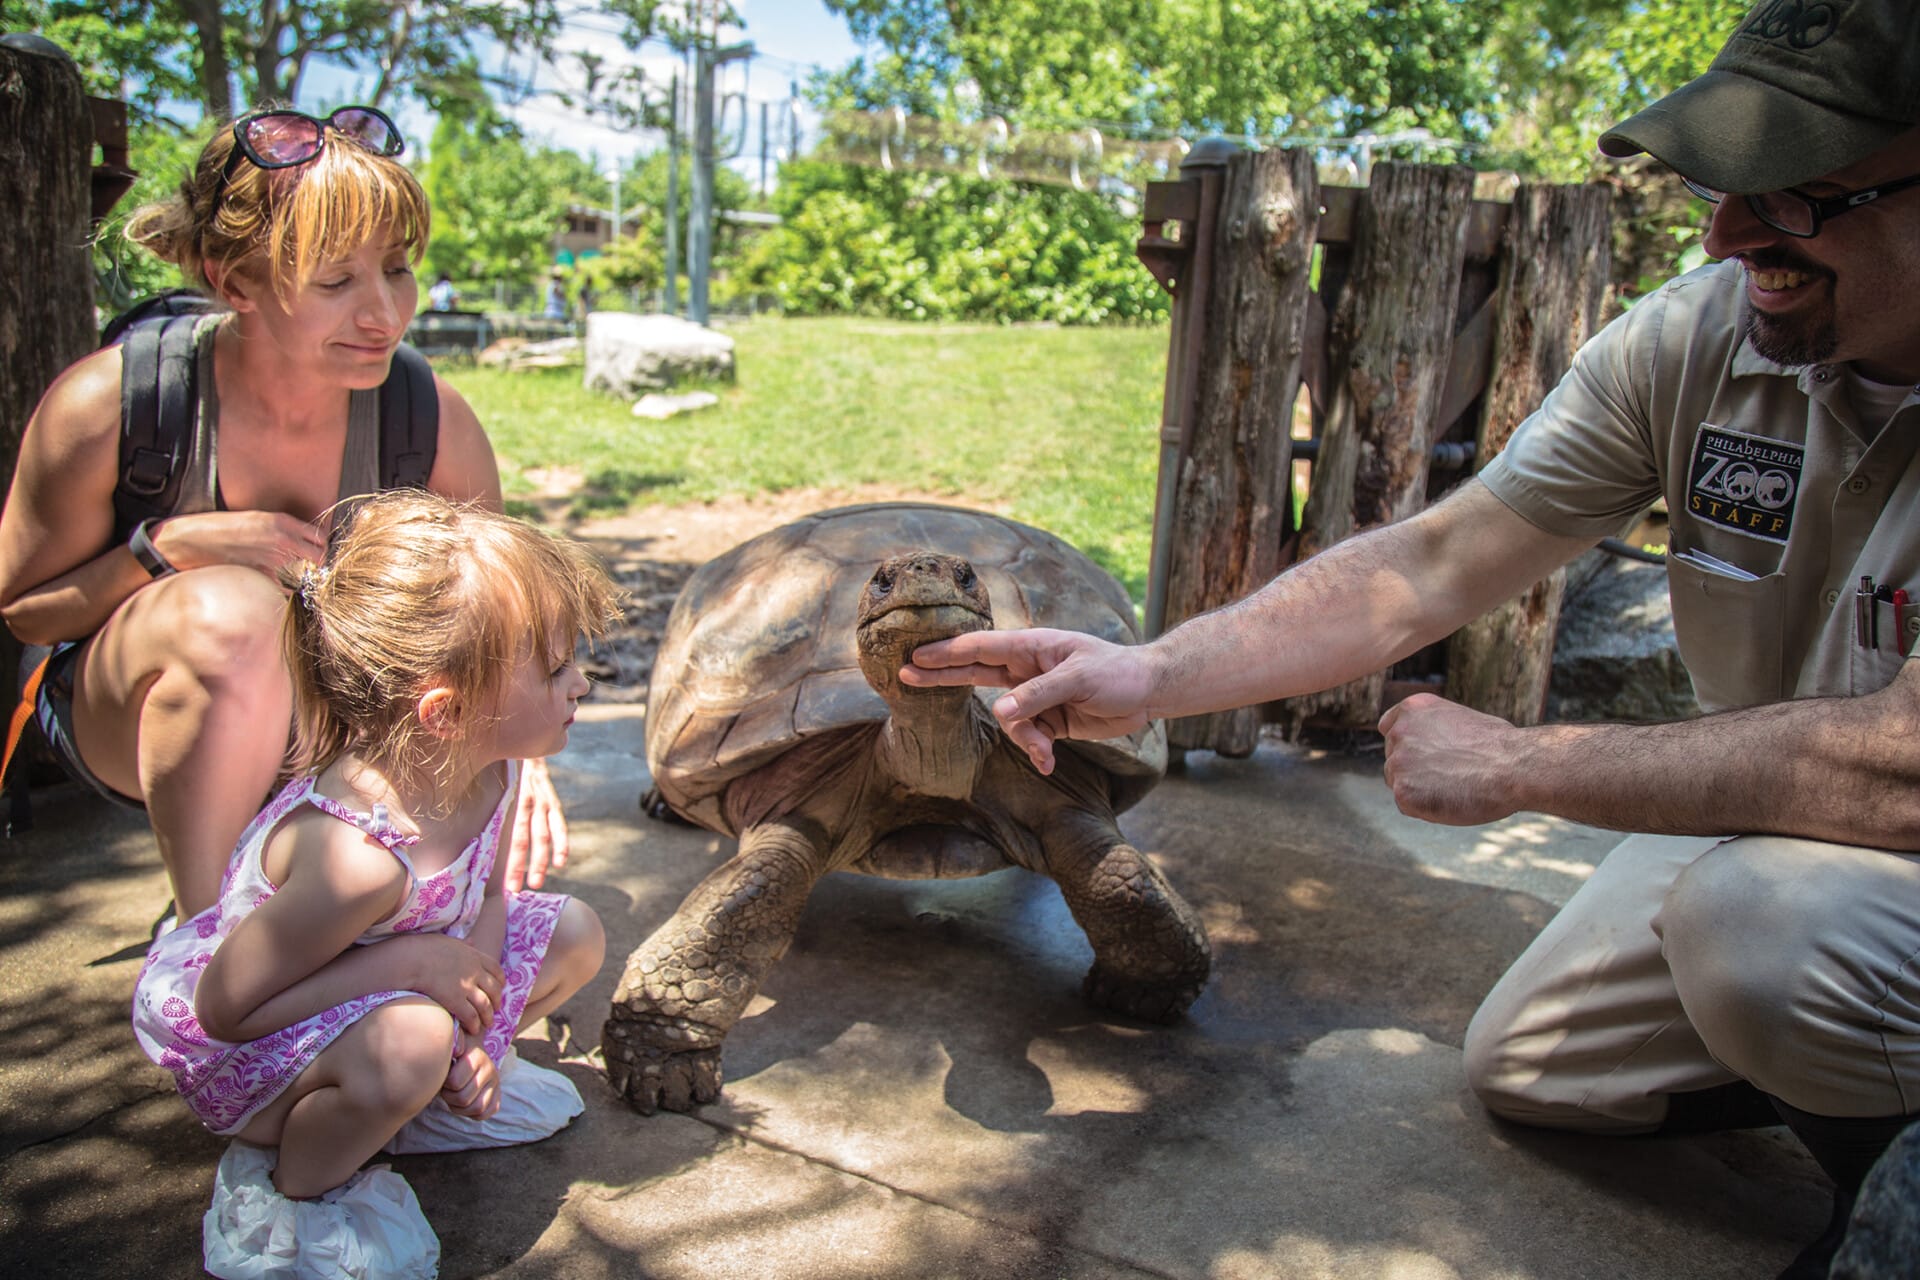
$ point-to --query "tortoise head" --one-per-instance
(911, 600)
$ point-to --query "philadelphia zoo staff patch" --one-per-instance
(1744, 483)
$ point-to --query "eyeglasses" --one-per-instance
(284, 139)
(1799, 214)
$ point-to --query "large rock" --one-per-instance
(1614, 657)
(1883, 1237)
(629, 354)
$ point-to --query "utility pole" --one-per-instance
(673, 199)
(700, 215)
(700, 212)
(764, 140)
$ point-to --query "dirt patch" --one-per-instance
(654, 550)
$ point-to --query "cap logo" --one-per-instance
(1801, 25)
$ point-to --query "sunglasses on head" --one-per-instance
(283, 139)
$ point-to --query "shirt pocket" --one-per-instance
(1872, 668)
(1730, 632)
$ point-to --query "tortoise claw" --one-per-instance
(1137, 998)
(652, 1078)
(655, 806)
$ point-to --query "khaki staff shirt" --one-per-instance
(1780, 499)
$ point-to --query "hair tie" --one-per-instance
(312, 580)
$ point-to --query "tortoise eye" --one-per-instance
(883, 581)
(964, 576)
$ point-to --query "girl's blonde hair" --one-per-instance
(418, 593)
(288, 220)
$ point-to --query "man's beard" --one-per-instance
(1804, 338)
(1800, 340)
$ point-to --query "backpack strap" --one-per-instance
(409, 421)
(157, 404)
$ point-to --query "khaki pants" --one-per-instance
(1687, 962)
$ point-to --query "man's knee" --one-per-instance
(1504, 1068)
(1750, 933)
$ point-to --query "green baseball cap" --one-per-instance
(1802, 88)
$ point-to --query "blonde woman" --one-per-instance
(166, 687)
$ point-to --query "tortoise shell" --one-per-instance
(759, 652)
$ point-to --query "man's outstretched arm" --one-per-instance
(1354, 609)
(1839, 769)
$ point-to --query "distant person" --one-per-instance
(443, 296)
(1750, 957)
(359, 984)
(585, 302)
(166, 688)
(556, 308)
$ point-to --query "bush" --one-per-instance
(921, 246)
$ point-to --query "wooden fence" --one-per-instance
(1424, 325)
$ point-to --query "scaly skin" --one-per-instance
(687, 985)
(1150, 953)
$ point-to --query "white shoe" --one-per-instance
(535, 1102)
(371, 1228)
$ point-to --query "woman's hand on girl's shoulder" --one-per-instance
(264, 540)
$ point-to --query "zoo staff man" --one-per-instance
(1755, 947)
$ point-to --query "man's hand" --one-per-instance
(1447, 763)
(462, 980)
(539, 830)
(1061, 684)
(473, 1082)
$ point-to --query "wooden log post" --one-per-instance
(1234, 505)
(1388, 347)
(1553, 281)
(46, 274)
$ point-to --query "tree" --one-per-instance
(124, 50)
(199, 48)
(496, 202)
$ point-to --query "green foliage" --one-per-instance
(122, 49)
(124, 273)
(1192, 66)
(1574, 68)
(496, 201)
(939, 247)
(1057, 427)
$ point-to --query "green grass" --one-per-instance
(1058, 427)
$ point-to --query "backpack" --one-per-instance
(158, 398)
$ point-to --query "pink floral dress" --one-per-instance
(226, 1083)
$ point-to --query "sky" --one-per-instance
(790, 39)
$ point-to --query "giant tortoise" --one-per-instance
(776, 714)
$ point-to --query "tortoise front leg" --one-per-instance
(1150, 952)
(686, 986)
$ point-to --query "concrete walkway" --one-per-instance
(920, 1092)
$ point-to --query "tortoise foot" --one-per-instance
(653, 1078)
(655, 806)
(1138, 998)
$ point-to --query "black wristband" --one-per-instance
(140, 542)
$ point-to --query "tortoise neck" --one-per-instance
(935, 741)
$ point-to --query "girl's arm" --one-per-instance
(489, 934)
(465, 982)
(276, 967)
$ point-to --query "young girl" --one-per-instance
(433, 652)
